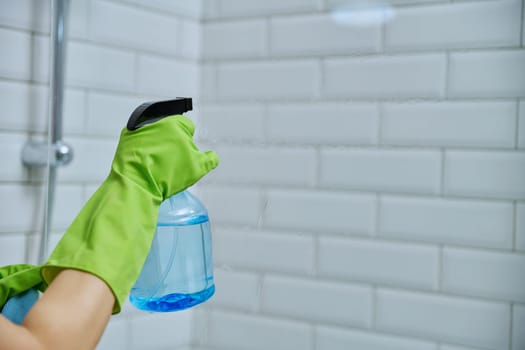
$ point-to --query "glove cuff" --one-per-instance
(99, 240)
(16, 279)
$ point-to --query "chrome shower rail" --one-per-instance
(55, 152)
(37, 154)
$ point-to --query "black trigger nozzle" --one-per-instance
(151, 112)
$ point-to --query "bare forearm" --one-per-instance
(72, 314)
(13, 336)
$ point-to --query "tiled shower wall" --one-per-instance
(120, 54)
(371, 193)
(372, 185)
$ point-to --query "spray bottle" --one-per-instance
(178, 272)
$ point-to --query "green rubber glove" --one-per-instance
(16, 279)
(112, 234)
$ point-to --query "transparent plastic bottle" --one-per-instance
(178, 272)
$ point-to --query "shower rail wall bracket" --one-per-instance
(37, 154)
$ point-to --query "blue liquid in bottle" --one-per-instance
(178, 272)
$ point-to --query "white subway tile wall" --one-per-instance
(377, 262)
(245, 8)
(267, 80)
(488, 174)
(13, 248)
(18, 14)
(309, 123)
(520, 226)
(485, 274)
(381, 170)
(29, 116)
(228, 330)
(266, 165)
(316, 301)
(159, 331)
(245, 38)
(319, 34)
(487, 74)
(371, 191)
(518, 321)
(136, 28)
(385, 77)
(521, 125)
(236, 290)
(480, 124)
(152, 70)
(330, 338)
(448, 221)
(264, 251)
(236, 123)
(453, 319)
(454, 347)
(320, 211)
(456, 25)
(119, 55)
(15, 62)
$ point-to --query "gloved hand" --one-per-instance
(112, 234)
